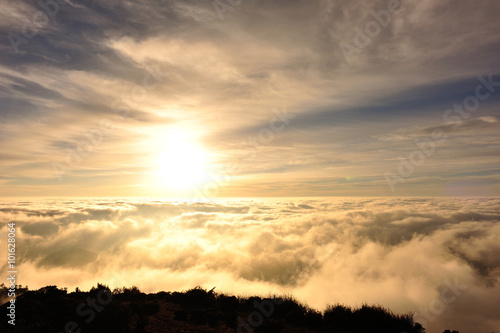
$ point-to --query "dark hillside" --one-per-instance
(50, 309)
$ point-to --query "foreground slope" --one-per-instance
(50, 309)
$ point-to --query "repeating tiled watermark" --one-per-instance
(364, 37)
(94, 137)
(222, 6)
(436, 306)
(39, 20)
(454, 118)
(266, 307)
(251, 147)
(88, 309)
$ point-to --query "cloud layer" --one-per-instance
(406, 254)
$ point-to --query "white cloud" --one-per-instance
(396, 252)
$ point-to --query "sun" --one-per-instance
(181, 163)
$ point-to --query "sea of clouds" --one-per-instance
(439, 258)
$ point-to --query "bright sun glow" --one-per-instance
(181, 165)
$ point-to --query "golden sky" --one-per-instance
(264, 98)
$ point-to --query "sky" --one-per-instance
(202, 99)
(438, 258)
(234, 105)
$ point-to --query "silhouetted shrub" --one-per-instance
(100, 288)
(128, 310)
(313, 319)
(197, 298)
(145, 309)
(338, 316)
(181, 315)
(51, 291)
(227, 303)
(271, 327)
(198, 317)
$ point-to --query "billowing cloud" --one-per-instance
(435, 257)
